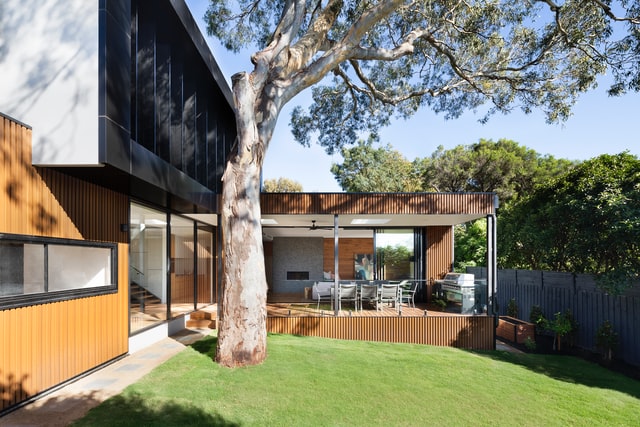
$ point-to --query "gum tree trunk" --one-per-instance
(259, 97)
(242, 330)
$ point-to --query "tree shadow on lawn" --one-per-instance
(570, 369)
(206, 346)
(134, 410)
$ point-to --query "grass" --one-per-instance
(320, 382)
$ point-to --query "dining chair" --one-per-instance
(369, 294)
(409, 294)
(322, 293)
(348, 293)
(390, 294)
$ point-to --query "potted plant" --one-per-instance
(439, 301)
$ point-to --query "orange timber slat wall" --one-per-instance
(439, 255)
(346, 249)
(377, 203)
(44, 345)
(469, 332)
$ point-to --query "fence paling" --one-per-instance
(556, 292)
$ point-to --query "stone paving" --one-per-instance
(74, 400)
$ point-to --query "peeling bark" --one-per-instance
(242, 332)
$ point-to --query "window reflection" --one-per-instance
(189, 264)
(147, 278)
(395, 254)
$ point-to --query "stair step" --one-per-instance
(201, 323)
(202, 315)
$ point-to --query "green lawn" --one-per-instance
(321, 382)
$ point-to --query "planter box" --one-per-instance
(515, 330)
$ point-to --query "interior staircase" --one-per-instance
(140, 297)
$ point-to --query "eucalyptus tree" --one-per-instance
(370, 60)
(366, 168)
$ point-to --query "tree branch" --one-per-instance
(309, 44)
(339, 51)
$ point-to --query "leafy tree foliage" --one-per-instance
(503, 167)
(369, 169)
(470, 245)
(281, 185)
(586, 221)
(367, 61)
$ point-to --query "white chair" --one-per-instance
(369, 294)
(348, 293)
(409, 294)
(322, 292)
(390, 294)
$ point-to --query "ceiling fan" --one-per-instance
(314, 226)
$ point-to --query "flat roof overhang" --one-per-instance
(293, 214)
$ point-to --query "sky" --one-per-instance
(599, 125)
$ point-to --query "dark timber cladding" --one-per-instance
(377, 203)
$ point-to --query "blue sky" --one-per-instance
(600, 124)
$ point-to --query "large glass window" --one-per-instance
(34, 270)
(205, 269)
(171, 266)
(395, 254)
(147, 268)
(182, 265)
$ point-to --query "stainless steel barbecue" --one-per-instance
(456, 282)
(463, 291)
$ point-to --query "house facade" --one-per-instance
(115, 126)
(116, 123)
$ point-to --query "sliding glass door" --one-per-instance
(395, 255)
(171, 269)
(147, 267)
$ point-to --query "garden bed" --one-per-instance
(515, 330)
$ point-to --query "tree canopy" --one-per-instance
(502, 166)
(394, 57)
(368, 61)
(369, 169)
(586, 221)
(281, 185)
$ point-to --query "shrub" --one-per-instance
(562, 325)
(439, 301)
(530, 344)
(536, 316)
(607, 339)
(512, 308)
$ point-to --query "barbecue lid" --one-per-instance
(459, 277)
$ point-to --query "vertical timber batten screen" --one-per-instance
(468, 332)
(377, 203)
(45, 344)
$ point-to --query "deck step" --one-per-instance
(202, 319)
(202, 315)
(201, 323)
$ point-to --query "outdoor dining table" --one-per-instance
(401, 289)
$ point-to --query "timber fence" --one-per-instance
(556, 292)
